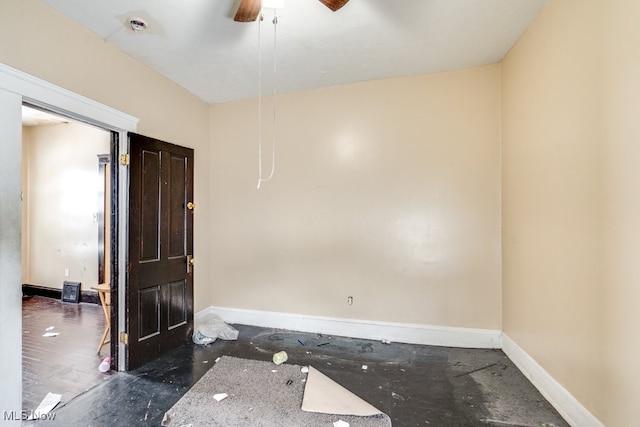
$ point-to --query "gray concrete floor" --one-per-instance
(415, 385)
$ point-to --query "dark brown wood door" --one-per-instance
(159, 296)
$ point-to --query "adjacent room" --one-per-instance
(65, 244)
(345, 185)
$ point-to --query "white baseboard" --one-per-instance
(395, 332)
(564, 402)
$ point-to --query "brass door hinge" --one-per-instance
(124, 159)
(124, 338)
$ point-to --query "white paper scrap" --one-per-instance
(341, 423)
(50, 334)
(220, 396)
(218, 359)
(304, 369)
(50, 328)
(48, 403)
(364, 367)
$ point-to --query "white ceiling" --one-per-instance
(197, 44)
(35, 117)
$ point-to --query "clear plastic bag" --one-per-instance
(211, 327)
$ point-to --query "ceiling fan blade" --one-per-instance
(334, 4)
(248, 11)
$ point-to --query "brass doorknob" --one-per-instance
(191, 206)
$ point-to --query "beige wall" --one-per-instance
(61, 203)
(621, 140)
(570, 202)
(552, 197)
(38, 40)
(386, 191)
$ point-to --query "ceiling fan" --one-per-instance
(249, 10)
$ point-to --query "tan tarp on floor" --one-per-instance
(323, 395)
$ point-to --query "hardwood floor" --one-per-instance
(66, 364)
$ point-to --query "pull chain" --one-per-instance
(275, 93)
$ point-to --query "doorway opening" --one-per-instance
(67, 238)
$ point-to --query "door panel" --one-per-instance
(160, 281)
(149, 312)
(177, 304)
(177, 212)
(150, 206)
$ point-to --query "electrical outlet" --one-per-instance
(350, 300)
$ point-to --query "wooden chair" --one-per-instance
(104, 292)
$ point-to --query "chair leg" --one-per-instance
(103, 340)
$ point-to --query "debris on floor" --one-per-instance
(49, 402)
(105, 365)
(341, 423)
(220, 396)
(323, 395)
(146, 415)
(50, 334)
(166, 419)
(280, 357)
(211, 327)
(397, 376)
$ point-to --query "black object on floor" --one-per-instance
(415, 385)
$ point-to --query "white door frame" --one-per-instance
(44, 94)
